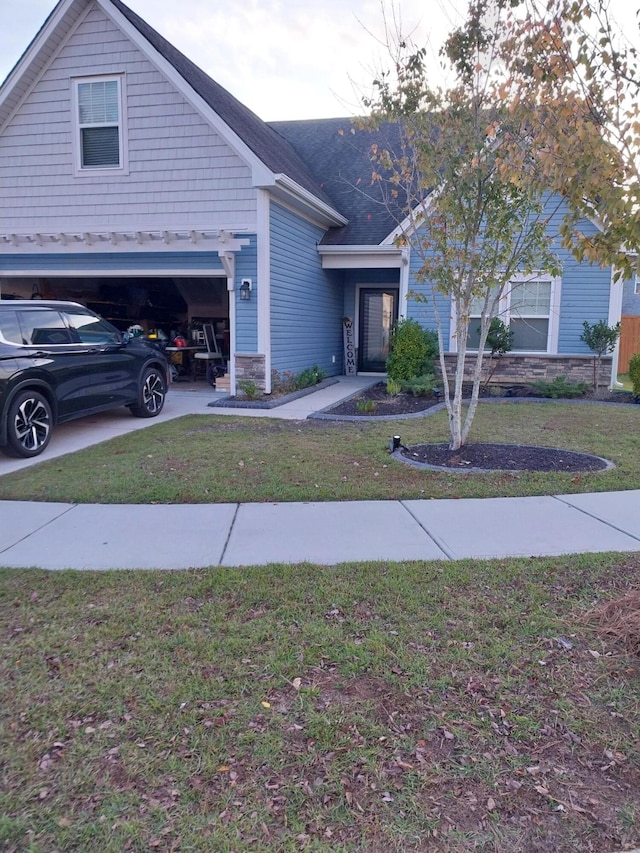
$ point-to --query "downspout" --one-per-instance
(228, 260)
(264, 283)
(403, 307)
(615, 316)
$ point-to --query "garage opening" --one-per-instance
(163, 307)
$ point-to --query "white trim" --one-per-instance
(616, 293)
(123, 132)
(287, 203)
(264, 284)
(232, 335)
(115, 240)
(361, 257)
(15, 76)
(329, 214)
(109, 272)
(407, 225)
(405, 274)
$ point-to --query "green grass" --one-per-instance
(214, 459)
(372, 707)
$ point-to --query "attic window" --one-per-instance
(99, 114)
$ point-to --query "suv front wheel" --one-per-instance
(29, 422)
(153, 391)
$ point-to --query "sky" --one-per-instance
(284, 59)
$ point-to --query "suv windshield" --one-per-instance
(89, 329)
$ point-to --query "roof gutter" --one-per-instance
(298, 195)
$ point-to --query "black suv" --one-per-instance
(59, 361)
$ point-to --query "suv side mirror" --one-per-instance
(126, 337)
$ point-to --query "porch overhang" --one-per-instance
(363, 257)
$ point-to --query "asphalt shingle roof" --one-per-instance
(338, 154)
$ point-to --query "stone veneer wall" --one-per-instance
(251, 366)
(519, 369)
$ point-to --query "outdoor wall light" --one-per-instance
(245, 289)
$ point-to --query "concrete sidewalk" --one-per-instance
(59, 536)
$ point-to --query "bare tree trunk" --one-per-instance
(485, 322)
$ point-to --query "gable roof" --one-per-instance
(271, 149)
(338, 153)
(268, 146)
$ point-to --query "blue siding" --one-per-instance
(306, 301)
(423, 311)
(630, 299)
(585, 293)
(64, 264)
(247, 312)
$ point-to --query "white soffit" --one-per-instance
(361, 257)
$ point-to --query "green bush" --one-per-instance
(288, 381)
(309, 376)
(560, 386)
(420, 386)
(393, 387)
(249, 389)
(413, 351)
(634, 374)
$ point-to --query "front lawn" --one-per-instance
(219, 459)
(357, 709)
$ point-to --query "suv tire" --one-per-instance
(29, 422)
(153, 391)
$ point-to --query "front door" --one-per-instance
(378, 313)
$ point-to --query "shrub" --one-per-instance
(288, 381)
(367, 406)
(393, 387)
(601, 339)
(560, 386)
(421, 386)
(634, 374)
(499, 342)
(249, 389)
(309, 376)
(413, 351)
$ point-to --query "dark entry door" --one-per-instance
(378, 313)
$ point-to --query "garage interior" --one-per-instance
(164, 307)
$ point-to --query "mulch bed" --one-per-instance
(403, 404)
(502, 457)
(476, 457)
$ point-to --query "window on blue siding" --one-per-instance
(526, 308)
(99, 116)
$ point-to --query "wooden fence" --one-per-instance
(629, 340)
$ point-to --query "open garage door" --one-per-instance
(165, 306)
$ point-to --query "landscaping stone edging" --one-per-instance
(323, 414)
(239, 403)
(425, 466)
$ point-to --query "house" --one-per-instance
(133, 182)
(630, 323)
